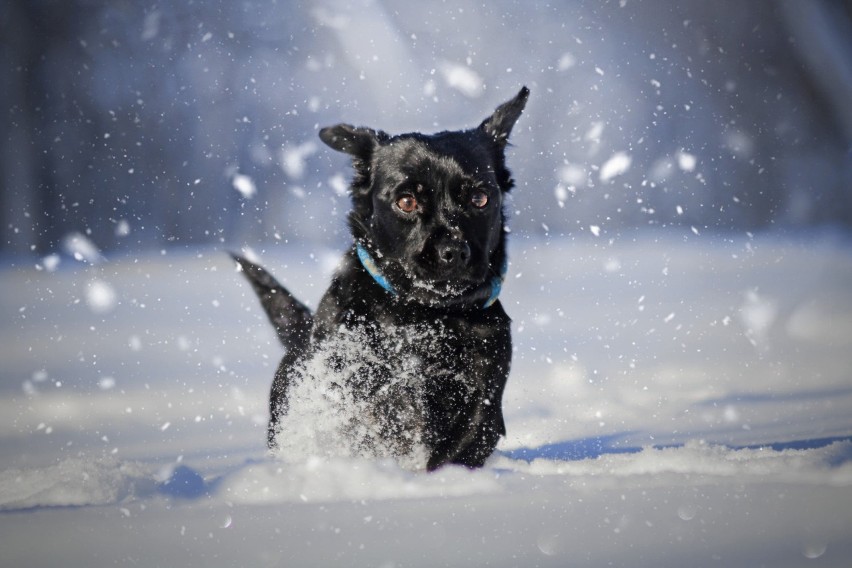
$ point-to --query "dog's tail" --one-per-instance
(291, 319)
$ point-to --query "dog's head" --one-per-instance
(429, 208)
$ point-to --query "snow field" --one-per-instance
(675, 399)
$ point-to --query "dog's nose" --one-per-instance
(454, 253)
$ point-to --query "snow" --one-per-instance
(462, 78)
(572, 175)
(50, 262)
(675, 399)
(100, 296)
(740, 143)
(122, 228)
(293, 158)
(244, 185)
(566, 61)
(686, 161)
(338, 185)
(595, 132)
(615, 166)
(80, 247)
(73, 481)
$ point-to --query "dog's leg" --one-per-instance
(481, 445)
(473, 437)
(291, 319)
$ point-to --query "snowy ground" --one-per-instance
(675, 400)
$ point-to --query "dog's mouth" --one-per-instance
(442, 281)
(446, 290)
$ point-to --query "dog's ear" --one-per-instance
(497, 128)
(357, 142)
(499, 125)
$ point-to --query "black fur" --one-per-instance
(441, 258)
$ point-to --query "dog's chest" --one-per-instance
(411, 357)
(436, 349)
(372, 389)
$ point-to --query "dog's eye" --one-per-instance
(479, 199)
(407, 203)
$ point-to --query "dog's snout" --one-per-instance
(454, 253)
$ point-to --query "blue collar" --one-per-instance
(373, 269)
(495, 284)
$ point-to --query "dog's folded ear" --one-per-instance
(499, 125)
(358, 142)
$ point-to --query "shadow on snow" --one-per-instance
(595, 447)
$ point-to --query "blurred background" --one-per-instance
(135, 125)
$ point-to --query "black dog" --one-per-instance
(410, 343)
